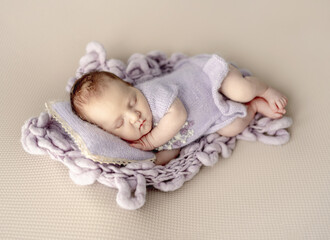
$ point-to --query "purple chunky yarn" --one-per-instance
(44, 135)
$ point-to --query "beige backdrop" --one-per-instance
(261, 192)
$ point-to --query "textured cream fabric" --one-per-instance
(261, 192)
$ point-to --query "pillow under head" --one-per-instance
(93, 142)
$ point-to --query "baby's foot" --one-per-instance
(277, 101)
(263, 107)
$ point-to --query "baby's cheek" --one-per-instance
(130, 134)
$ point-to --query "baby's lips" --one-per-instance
(142, 124)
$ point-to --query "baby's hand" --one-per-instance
(143, 144)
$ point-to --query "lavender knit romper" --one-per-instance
(195, 81)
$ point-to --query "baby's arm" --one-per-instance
(166, 129)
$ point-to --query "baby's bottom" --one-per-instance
(258, 104)
(239, 124)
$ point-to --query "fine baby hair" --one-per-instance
(88, 86)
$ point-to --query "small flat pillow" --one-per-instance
(93, 142)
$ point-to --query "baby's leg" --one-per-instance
(165, 156)
(244, 89)
(239, 124)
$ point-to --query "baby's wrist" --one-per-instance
(151, 140)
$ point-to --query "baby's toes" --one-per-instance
(280, 104)
(273, 106)
(277, 115)
(282, 111)
(284, 101)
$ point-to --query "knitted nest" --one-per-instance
(44, 135)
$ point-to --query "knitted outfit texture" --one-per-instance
(195, 81)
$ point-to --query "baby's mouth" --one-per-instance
(142, 124)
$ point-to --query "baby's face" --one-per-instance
(121, 110)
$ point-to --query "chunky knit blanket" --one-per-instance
(44, 135)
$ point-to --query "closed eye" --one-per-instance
(133, 102)
(119, 124)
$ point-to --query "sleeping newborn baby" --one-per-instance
(203, 95)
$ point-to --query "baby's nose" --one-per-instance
(135, 116)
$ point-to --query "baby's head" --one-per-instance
(103, 99)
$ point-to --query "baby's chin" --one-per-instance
(132, 139)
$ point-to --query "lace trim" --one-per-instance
(81, 145)
(180, 138)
